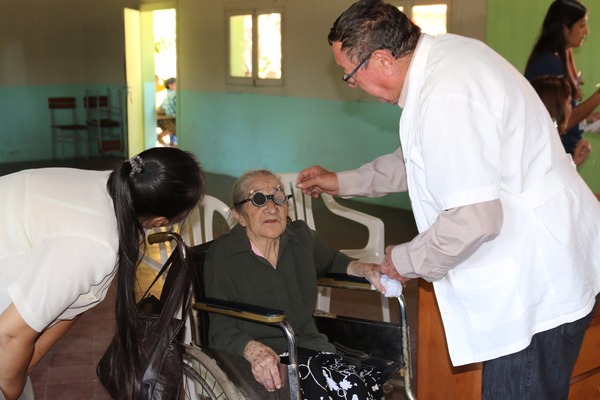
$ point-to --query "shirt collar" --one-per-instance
(239, 242)
(405, 86)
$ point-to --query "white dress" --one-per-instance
(58, 243)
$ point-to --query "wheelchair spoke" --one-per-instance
(204, 380)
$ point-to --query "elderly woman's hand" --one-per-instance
(265, 364)
(368, 271)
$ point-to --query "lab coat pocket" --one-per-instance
(555, 200)
(488, 294)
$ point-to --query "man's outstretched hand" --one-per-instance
(316, 180)
(387, 267)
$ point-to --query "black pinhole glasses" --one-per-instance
(260, 199)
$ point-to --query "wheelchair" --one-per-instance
(213, 374)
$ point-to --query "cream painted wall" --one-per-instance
(309, 68)
(55, 48)
(62, 42)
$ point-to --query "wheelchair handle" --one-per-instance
(161, 237)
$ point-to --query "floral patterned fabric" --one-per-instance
(325, 376)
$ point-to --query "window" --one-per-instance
(255, 48)
(432, 18)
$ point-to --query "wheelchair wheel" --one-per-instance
(204, 380)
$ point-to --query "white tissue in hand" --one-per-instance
(393, 288)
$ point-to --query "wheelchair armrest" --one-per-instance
(263, 315)
(344, 281)
(241, 310)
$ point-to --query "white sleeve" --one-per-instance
(65, 276)
(384, 175)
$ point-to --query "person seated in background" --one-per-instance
(168, 108)
(268, 262)
(555, 93)
(169, 104)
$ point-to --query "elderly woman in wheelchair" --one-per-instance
(268, 261)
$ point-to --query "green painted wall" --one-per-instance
(590, 169)
(26, 133)
(512, 29)
(231, 133)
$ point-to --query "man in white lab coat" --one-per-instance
(509, 232)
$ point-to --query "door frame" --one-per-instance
(141, 107)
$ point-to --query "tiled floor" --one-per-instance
(67, 372)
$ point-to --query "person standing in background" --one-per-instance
(555, 93)
(564, 29)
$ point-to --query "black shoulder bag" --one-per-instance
(161, 334)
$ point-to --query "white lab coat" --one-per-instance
(473, 130)
(469, 135)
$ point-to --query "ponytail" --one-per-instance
(165, 182)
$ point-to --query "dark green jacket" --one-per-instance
(233, 272)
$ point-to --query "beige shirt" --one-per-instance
(454, 237)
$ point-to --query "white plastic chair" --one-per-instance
(300, 207)
(197, 228)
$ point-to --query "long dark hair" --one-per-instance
(370, 25)
(554, 92)
(552, 40)
(159, 182)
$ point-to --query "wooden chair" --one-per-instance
(105, 122)
(64, 126)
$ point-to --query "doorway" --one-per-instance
(150, 58)
(164, 24)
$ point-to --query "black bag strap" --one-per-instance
(198, 255)
(181, 291)
(164, 268)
